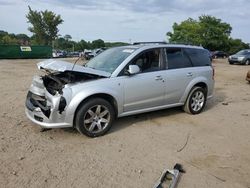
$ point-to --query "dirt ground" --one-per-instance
(137, 149)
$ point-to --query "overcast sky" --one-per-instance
(126, 20)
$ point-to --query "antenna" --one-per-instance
(76, 62)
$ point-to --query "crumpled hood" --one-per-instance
(61, 66)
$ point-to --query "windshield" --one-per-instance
(110, 59)
(243, 52)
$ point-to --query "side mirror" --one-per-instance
(133, 69)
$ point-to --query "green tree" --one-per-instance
(237, 45)
(67, 37)
(82, 45)
(44, 25)
(22, 39)
(207, 31)
(3, 33)
(215, 33)
(99, 43)
(63, 44)
(9, 40)
(188, 32)
(22, 36)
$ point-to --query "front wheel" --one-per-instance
(196, 101)
(95, 117)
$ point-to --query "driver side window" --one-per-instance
(148, 61)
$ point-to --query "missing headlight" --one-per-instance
(62, 104)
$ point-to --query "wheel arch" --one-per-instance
(195, 83)
(202, 85)
(104, 96)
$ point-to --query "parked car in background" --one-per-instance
(59, 53)
(248, 76)
(219, 54)
(119, 82)
(241, 57)
(90, 54)
(74, 54)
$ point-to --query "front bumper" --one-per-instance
(47, 116)
(35, 117)
(236, 61)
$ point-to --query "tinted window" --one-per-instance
(243, 52)
(176, 59)
(148, 61)
(199, 57)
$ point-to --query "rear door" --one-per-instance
(179, 73)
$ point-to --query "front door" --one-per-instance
(147, 88)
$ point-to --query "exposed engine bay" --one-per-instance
(56, 74)
(55, 82)
(51, 91)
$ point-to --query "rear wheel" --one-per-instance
(95, 117)
(196, 101)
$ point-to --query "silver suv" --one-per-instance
(119, 82)
(241, 57)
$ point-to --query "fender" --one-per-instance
(87, 92)
(195, 81)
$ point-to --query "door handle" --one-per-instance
(158, 78)
(189, 74)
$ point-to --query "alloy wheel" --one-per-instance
(96, 119)
(197, 101)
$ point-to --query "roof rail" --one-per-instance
(136, 43)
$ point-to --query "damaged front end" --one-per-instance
(49, 94)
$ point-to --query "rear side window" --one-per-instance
(199, 57)
(177, 59)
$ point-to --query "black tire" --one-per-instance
(188, 107)
(247, 62)
(231, 63)
(94, 121)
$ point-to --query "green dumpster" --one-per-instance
(25, 52)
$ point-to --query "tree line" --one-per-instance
(61, 42)
(207, 31)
